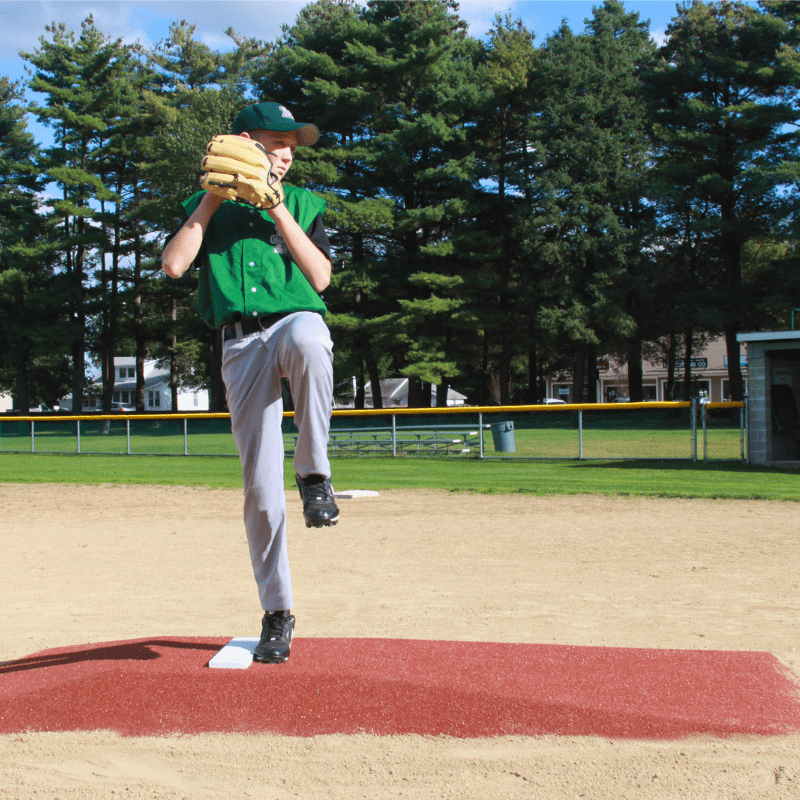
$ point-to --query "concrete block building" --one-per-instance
(773, 388)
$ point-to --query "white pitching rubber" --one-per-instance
(237, 654)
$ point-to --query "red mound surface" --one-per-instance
(396, 686)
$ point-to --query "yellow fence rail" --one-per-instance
(659, 430)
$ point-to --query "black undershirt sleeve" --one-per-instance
(316, 232)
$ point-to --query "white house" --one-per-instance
(394, 393)
(157, 394)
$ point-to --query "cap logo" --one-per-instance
(285, 112)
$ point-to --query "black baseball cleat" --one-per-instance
(319, 509)
(276, 638)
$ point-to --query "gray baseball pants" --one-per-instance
(297, 347)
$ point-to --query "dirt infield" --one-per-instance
(83, 564)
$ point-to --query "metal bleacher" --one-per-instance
(439, 439)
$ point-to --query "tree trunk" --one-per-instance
(687, 365)
(533, 366)
(504, 236)
(365, 345)
(375, 380)
(591, 373)
(732, 261)
(442, 390)
(78, 352)
(138, 317)
(138, 336)
(173, 359)
(22, 398)
(734, 363)
(414, 393)
(505, 369)
(669, 389)
(107, 370)
(359, 401)
(579, 372)
(425, 394)
(443, 387)
(635, 376)
(141, 352)
(484, 377)
(110, 325)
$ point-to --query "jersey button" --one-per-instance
(252, 263)
(255, 313)
(253, 289)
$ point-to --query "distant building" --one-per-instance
(157, 394)
(394, 393)
(709, 377)
(773, 435)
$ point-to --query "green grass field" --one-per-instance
(643, 478)
(446, 464)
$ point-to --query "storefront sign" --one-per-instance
(697, 363)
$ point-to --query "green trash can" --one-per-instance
(503, 437)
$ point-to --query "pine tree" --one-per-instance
(624, 51)
(72, 75)
(502, 280)
(32, 364)
(726, 120)
(383, 85)
(419, 63)
(198, 92)
(318, 52)
(591, 151)
(185, 64)
(125, 242)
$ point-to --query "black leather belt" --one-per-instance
(251, 325)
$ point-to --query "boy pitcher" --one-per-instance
(261, 270)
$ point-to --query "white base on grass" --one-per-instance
(349, 494)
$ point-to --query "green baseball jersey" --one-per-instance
(246, 269)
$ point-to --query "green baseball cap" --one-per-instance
(274, 117)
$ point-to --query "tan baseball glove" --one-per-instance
(236, 168)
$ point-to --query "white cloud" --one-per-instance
(22, 23)
(480, 14)
(658, 36)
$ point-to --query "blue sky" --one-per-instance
(22, 22)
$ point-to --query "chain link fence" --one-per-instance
(686, 431)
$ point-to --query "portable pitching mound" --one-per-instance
(397, 686)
